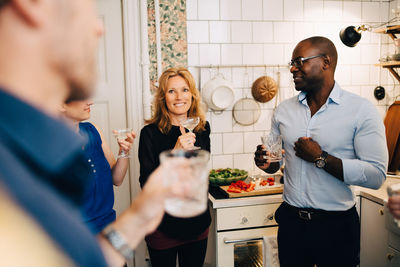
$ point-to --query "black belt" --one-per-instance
(309, 214)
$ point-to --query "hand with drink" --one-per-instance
(269, 152)
(189, 123)
(125, 138)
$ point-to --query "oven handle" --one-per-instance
(227, 241)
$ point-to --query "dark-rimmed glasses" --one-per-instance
(299, 61)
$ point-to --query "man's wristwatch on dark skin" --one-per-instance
(320, 162)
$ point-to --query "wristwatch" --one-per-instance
(118, 242)
(321, 161)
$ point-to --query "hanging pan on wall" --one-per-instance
(246, 111)
(264, 89)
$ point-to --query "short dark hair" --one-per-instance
(326, 47)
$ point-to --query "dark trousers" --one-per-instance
(323, 238)
(189, 255)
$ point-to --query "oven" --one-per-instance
(238, 235)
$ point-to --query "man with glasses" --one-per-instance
(332, 139)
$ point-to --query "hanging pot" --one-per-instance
(218, 93)
(264, 89)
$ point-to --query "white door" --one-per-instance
(109, 109)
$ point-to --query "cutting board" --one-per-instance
(259, 192)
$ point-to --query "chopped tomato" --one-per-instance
(271, 183)
(263, 182)
(271, 179)
(251, 187)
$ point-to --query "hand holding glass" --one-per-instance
(190, 123)
(194, 178)
(273, 145)
(120, 134)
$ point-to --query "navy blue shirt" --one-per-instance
(43, 168)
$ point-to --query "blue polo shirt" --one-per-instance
(43, 169)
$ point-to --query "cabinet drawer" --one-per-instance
(246, 216)
(392, 257)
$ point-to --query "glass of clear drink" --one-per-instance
(195, 181)
(120, 134)
(273, 145)
(190, 123)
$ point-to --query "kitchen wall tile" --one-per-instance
(191, 9)
(283, 32)
(274, 54)
(303, 30)
(244, 161)
(238, 76)
(293, 10)
(349, 55)
(343, 75)
(231, 54)
(253, 54)
(264, 122)
(262, 32)
(193, 54)
(232, 143)
(353, 89)
(374, 75)
(252, 10)
(241, 32)
(197, 32)
(329, 30)
(360, 75)
(313, 10)
(220, 32)
(241, 128)
(208, 9)
(384, 11)
(222, 161)
(209, 54)
(369, 54)
(333, 10)
(206, 75)
(368, 93)
(369, 12)
(273, 10)
(251, 140)
(231, 9)
(351, 11)
(221, 122)
(216, 144)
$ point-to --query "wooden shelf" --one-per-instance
(391, 65)
(391, 30)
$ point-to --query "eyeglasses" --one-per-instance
(299, 61)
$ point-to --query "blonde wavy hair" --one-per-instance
(161, 116)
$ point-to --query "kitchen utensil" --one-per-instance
(218, 93)
(246, 111)
(264, 89)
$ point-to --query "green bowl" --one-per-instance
(217, 181)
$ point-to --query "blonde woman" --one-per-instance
(176, 99)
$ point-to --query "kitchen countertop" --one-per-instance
(380, 196)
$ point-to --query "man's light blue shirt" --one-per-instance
(347, 127)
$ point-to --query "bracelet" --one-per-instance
(118, 242)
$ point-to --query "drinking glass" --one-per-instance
(195, 180)
(120, 134)
(190, 123)
(273, 144)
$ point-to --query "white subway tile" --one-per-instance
(238, 75)
(293, 10)
(369, 54)
(329, 30)
(251, 140)
(242, 128)
(241, 32)
(351, 11)
(333, 10)
(343, 75)
(368, 93)
(303, 30)
(220, 32)
(253, 54)
(274, 54)
(193, 54)
(384, 12)
(232, 143)
(283, 32)
(231, 54)
(360, 75)
(231, 10)
(369, 12)
(191, 9)
(222, 161)
(353, 89)
(244, 161)
(313, 10)
(208, 9)
(216, 143)
(262, 32)
(252, 10)
(264, 122)
(209, 54)
(221, 122)
(348, 55)
(273, 10)
(197, 32)
(374, 75)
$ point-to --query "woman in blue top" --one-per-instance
(106, 171)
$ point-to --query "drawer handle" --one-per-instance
(270, 217)
(227, 241)
(390, 256)
(244, 220)
(381, 211)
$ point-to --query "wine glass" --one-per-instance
(190, 123)
(120, 134)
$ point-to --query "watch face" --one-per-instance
(320, 163)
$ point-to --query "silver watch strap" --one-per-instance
(118, 242)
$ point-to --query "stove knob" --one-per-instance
(244, 220)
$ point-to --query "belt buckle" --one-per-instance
(305, 215)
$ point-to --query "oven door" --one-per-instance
(242, 248)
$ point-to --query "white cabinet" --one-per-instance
(374, 235)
